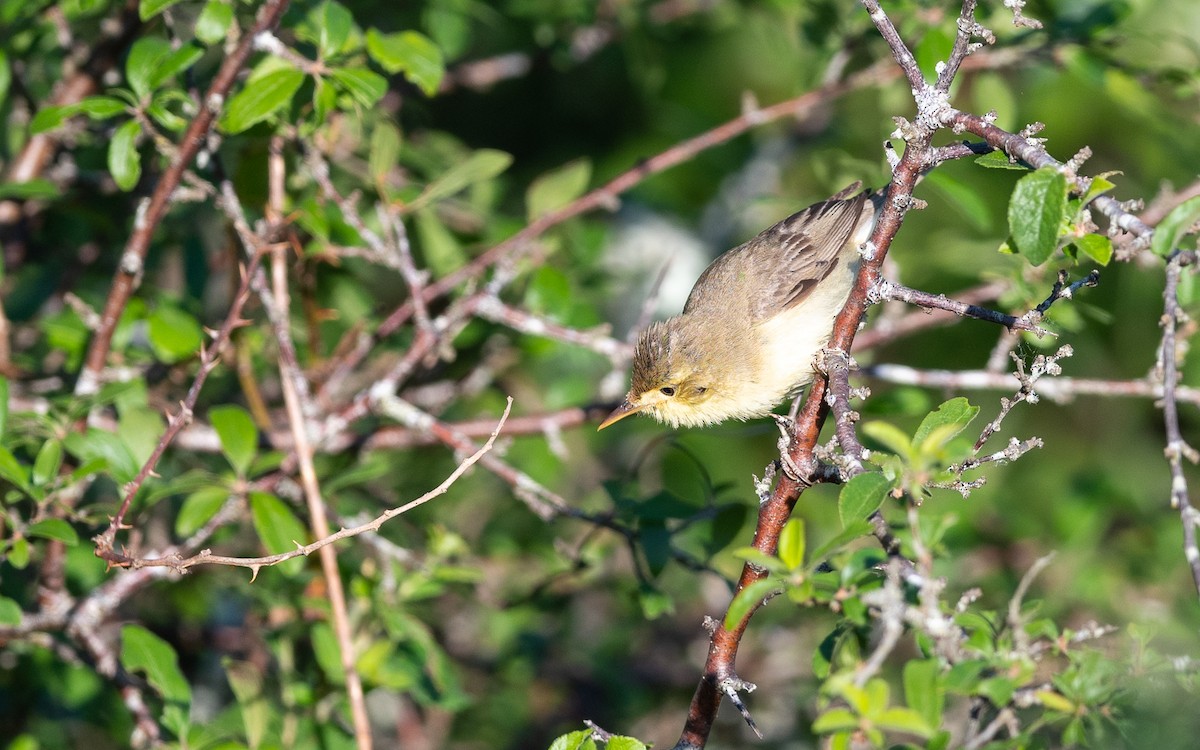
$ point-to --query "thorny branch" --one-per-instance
(181, 564)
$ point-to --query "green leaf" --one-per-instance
(49, 118)
(145, 56)
(140, 429)
(384, 151)
(853, 530)
(261, 98)
(655, 539)
(1035, 213)
(835, 720)
(1098, 187)
(410, 53)
(902, 720)
(148, 9)
(18, 553)
(621, 742)
(862, 496)
(922, 691)
(123, 160)
(3, 405)
(654, 603)
(333, 23)
(174, 334)
(13, 470)
(329, 656)
(159, 109)
(324, 99)
(873, 699)
(5, 76)
(769, 563)
(198, 509)
(54, 528)
(791, 544)
(33, 189)
(1097, 247)
(1056, 702)
(10, 611)
(48, 462)
(246, 681)
(440, 250)
(95, 107)
(100, 107)
(101, 444)
(747, 599)
(365, 86)
(143, 651)
(1174, 225)
(889, 436)
(999, 690)
(580, 740)
(726, 526)
(956, 413)
(278, 528)
(175, 63)
(483, 164)
(663, 505)
(557, 188)
(238, 434)
(999, 160)
(213, 22)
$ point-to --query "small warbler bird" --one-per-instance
(754, 320)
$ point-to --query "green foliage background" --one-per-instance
(490, 626)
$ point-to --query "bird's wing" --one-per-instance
(784, 263)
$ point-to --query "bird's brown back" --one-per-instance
(779, 267)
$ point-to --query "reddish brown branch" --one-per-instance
(774, 513)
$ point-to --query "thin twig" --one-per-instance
(278, 304)
(209, 358)
(888, 290)
(1060, 390)
(1177, 449)
(205, 557)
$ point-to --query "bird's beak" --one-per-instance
(619, 413)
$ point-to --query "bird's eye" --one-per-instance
(701, 389)
(667, 390)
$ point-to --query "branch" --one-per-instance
(887, 290)
(298, 406)
(151, 211)
(773, 514)
(1060, 389)
(1177, 449)
(205, 557)
(836, 364)
(209, 357)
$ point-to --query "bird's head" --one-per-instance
(670, 380)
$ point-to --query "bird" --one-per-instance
(754, 320)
